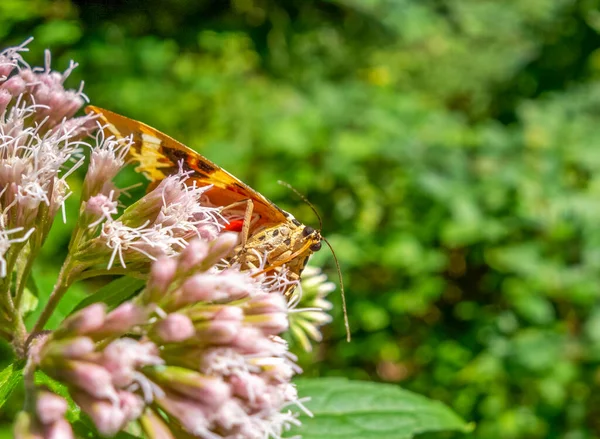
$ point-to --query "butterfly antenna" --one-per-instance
(289, 186)
(344, 307)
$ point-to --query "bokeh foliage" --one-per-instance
(451, 147)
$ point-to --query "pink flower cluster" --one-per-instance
(197, 351)
(48, 420)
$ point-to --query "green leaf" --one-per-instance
(113, 293)
(10, 377)
(73, 411)
(363, 410)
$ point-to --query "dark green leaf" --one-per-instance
(363, 410)
(113, 293)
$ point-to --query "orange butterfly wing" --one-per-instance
(159, 156)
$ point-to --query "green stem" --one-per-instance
(29, 384)
(11, 260)
(23, 280)
(68, 274)
(64, 281)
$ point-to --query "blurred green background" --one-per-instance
(451, 147)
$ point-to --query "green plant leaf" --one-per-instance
(10, 377)
(363, 410)
(113, 293)
(30, 297)
(73, 411)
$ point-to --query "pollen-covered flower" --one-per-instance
(204, 356)
(106, 160)
(159, 224)
(39, 149)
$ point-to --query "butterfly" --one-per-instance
(270, 236)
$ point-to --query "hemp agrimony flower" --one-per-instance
(197, 349)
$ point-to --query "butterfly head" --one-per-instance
(312, 236)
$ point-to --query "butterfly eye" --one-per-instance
(307, 231)
(315, 247)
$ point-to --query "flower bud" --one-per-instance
(162, 273)
(61, 429)
(123, 318)
(90, 377)
(15, 85)
(248, 386)
(190, 413)
(215, 287)
(273, 324)
(218, 331)
(84, 321)
(208, 390)
(106, 415)
(5, 98)
(175, 327)
(49, 407)
(193, 255)
(123, 356)
(223, 245)
(131, 404)
(266, 303)
(72, 348)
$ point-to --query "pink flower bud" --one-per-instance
(101, 206)
(266, 303)
(5, 98)
(210, 391)
(49, 407)
(278, 369)
(175, 327)
(193, 254)
(15, 85)
(218, 331)
(131, 404)
(87, 320)
(223, 245)
(251, 340)
(207, 232)
(90, 377)
(7, 65)
(216, 287)
(123, 356)
(123, 318)
(72, 348)
(273, 324)
(248, 386)
(191, 414)
(107, 416)
(162, 274)
(232, 313)
(61, 429)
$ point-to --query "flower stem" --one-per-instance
(29, 384)
(23, 281)
(65, 278)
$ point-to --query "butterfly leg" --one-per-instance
(246, 224)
